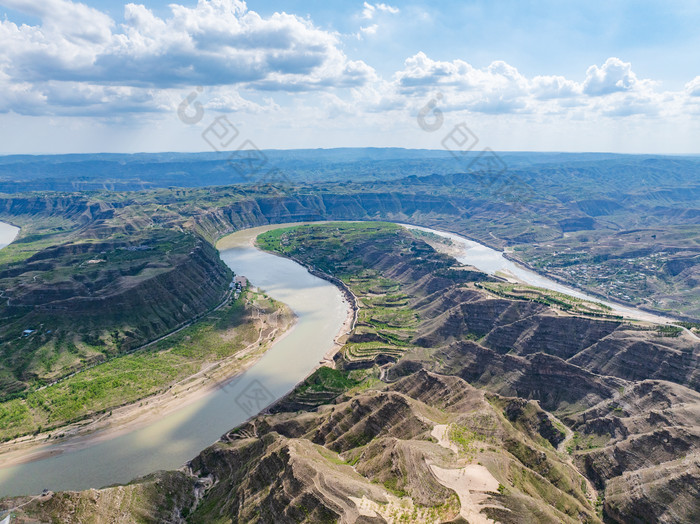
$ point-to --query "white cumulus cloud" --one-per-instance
(612, 77)
(693, 87)
(369, 10)
(611, 89)
(76, 60)
(213, 43)
(370, 29)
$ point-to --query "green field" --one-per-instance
(549, 298)
(385, 322)
(69, 302)
(129, 378)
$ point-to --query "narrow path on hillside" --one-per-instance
(568, 458)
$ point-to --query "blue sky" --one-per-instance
(552, 75)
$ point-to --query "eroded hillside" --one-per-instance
(69, 305)
(446, 402)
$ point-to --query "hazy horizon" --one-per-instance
(436, 150)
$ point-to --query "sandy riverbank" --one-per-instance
(130, 417)
(342, 336)
(348, 297)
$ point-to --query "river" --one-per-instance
(7, 234)
(492, 262)
(169, 442)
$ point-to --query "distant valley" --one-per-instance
(551, 427)
(556, 403)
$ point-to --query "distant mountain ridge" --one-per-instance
(129, 172)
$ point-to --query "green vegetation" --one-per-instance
(583, 229)
(692, 326)
(386, 321)
(669, 331)
(549, 298)
(581, 442)
(334, 245)
(75, 247)
(641, 267)
(383, 433)
(71, 305)
(129, 378)
(326, 379)
(432, 238)
(466, 439)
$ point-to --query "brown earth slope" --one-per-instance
(370, 457)
(428, 446)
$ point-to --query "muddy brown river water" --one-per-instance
(168, 442)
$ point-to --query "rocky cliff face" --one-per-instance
(299, 207)
(648, 457)
(69, 206)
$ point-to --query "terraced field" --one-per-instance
(446, 404)
(386, 321)
(549, 298)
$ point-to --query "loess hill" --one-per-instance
(88, 299)
(448, 403)
(622, 226)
